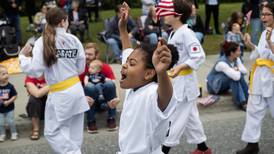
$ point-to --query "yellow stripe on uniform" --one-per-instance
(182, 73)
(63, 85)
(260, 62)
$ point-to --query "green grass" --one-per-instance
(210, 45)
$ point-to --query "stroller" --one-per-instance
(9, 47)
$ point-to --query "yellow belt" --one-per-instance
(183, 72)
(260, 62)
(63, 85)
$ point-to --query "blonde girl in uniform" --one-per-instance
(149, 101)
(60, 56)
(261, 87)
(185, 119)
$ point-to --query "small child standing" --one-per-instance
(8, 95)
(96, 78)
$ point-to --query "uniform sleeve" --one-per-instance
(196, 55)
(125, 54)
(227, 70)
(81, 60)
(33, 66)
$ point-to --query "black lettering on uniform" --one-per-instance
(67, 53)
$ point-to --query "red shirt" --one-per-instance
(35, 81)
(106, 71)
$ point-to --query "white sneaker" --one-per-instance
(2, 138)
(14, 136)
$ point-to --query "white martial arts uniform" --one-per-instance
(143, 126)
(64, 113)
(186, 119)
(261, 94)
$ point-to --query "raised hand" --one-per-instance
(124, 18)
(161, 58)
(268, 33)
(247, 40)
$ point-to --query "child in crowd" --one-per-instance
(261, 87)
(96, 78)
(228, 73)
(235, 35)
(8, 95)
(185, 119)
(38, 91)
(149, 101)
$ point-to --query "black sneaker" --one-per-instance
(251, 148)
(91, 128)
(111, 124)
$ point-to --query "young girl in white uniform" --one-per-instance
(261, 88)
(147, 106)
(185, 119)
(60, 56)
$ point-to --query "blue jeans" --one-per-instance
(153, 38)
(199, 36)
(257, 28)
(115, 47)
(15, 21)
(239, 89)
(109, 92)
(9, 118)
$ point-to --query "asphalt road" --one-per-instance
(223, 131)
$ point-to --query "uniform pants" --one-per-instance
(65, 137)
(256, 110)
(185, 120)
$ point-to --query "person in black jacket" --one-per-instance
(77, 20)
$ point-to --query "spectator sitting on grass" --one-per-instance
(40, 18)
(228, 73)
(196, 24)
(113, 36)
